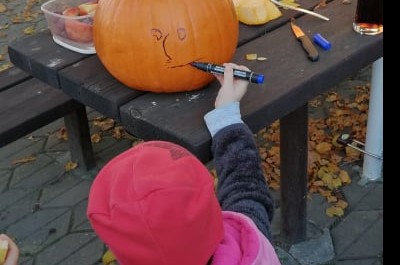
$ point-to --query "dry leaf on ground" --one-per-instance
(24, 160)
(95, 138)
(70, 166)
(334, 211)
(3, 8)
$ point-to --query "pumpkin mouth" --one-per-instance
(185, 64)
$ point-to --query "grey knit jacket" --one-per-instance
(241, 183)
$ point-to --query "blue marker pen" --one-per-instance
(218, 69)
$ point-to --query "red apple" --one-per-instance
(87, 8)
(72, 11)
(79, 31)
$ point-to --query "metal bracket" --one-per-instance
(345, 139)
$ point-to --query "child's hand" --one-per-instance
(12, 253)
(232, 89)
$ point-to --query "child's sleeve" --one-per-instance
(241, 183)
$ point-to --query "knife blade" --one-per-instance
(308, 46)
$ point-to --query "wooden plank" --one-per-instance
(176, 117)
(11, 77)
(40, 56)
(89, 82)
(249, 33)
(290, 81)
(28, 106)
(32, 104)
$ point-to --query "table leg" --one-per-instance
(294, 163)
(79, 141)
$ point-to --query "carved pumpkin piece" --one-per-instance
(148, 45)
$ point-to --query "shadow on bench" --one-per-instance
(27, 104)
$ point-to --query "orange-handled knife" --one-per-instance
(308, 46)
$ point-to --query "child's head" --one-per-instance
(155, 204)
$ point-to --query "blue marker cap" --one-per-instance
(260, 79)
(321, 41)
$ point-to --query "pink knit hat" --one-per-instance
(155, 204)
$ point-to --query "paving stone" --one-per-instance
(316, 207)
(357, 262)
(54, 144)
(109, 152)
(47, 235)
(58, 187)
(373, 200)
(80, 222)
(62, 157)
(89, 254)
(19, 208)
(38, 178)
(355, 192)
(4, 178)
(26, 170)
(41, 229)
(315, 251)
(63, 249)
(50, 129)
(285, 258)
(28, 149)
(354, 224)
(11, 197)
(26, 261)
(369, 244)
(71, 196)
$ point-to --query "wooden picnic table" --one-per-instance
(291, 80)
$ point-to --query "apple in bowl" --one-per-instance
(87, 8)
(79, 27)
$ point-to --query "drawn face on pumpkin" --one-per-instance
(150, 46)
(164, 39)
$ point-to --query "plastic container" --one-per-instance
(74, 32)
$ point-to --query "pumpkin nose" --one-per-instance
(169, 58)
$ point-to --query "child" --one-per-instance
(12, 251)
(155, 203)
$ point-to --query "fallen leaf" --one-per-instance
(331, 199)
(108, 258)
(104, 124)
(29, 30)
(352, 153)
(344, 177)
(24, 160)
(323, 147)
(334, 211)
(342, 204)
(118, 132)
(62, 134)
(3, 8)
(70, 166)
(4, 66)
(95, 138)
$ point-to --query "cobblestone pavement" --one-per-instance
(43, 207)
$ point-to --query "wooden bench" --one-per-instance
(26, 104)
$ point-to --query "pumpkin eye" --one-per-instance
(181, 33)
(157, 33)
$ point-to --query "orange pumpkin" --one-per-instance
(148, 45)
